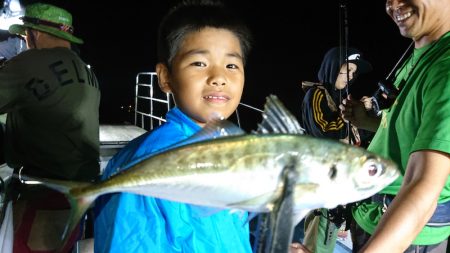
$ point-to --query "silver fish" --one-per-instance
(244, 171)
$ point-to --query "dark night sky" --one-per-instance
(290, 41)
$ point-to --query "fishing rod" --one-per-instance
(343, 52)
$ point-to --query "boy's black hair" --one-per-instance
(194, 15)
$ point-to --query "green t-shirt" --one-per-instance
(52, 99)
(419, 119)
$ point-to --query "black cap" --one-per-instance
(331, 64)
(354, 56)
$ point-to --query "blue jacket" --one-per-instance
(128, 222)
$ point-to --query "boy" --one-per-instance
(201, 53)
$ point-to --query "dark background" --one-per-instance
(291, 38)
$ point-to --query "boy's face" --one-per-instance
(207, 75)
(341, 80)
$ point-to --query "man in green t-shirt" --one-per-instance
(413, 213)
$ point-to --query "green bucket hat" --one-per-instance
(47, 18)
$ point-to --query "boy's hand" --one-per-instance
(367, 101)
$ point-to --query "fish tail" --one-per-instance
(79, 206)
(79, 201)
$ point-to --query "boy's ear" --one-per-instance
(163, 77)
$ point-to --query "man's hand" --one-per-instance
(355, 112)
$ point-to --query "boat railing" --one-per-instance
(151, 104)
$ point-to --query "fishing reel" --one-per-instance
(384, 96)
(387, 92)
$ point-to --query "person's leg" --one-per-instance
(327, 235)
(320, 233)
(311, 227)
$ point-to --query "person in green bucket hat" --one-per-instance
(51, 98)
(49, 19)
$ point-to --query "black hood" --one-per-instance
(331, 65)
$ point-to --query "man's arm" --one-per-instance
(426, 174)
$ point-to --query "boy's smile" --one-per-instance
(216, 98)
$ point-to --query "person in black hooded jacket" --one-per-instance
(321, 118)
(320, 107)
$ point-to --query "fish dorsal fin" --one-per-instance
(278, 119)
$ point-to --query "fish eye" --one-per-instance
(333, 171)
(373, 168)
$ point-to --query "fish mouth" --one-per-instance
(387, 179)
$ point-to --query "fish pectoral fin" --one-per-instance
(262, 202)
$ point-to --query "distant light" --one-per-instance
(14, 6)
(88, 66)
(10, 14)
